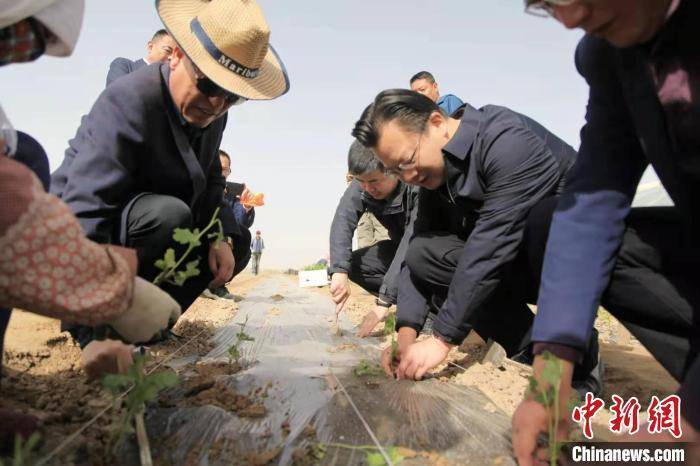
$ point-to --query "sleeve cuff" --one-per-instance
(567, 353)
(452, 335)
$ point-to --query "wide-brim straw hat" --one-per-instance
(228, 40)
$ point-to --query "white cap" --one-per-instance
(63, 18)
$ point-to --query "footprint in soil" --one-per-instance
(277, 297)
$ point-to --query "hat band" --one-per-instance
(220, 57)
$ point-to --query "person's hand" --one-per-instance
(151, 310)
(532, 419)
(245, 196)
(371, 319)
(106, 357)
(420, 357)
(406, 337)
(221, 263)
(340, 290)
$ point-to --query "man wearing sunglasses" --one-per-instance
(490, 178)
(145, 160)
(641, 61)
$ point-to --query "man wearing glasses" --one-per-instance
(374, 268)
(145, 160)
(158, 50)
(640, 59)
(490, 178)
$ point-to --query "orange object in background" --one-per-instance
(253, 200)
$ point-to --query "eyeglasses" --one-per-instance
(210, 89)
(408, 164)
(544, 8)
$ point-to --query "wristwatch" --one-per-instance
(381, 303)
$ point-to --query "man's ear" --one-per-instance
(149, 46)
(436, 119)
(176, 58)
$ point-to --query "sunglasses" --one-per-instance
(544, 8)
(210, 89)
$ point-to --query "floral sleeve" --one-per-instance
(47, 265)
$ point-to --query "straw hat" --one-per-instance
(228, 40)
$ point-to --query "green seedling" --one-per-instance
(234, 353)
(366, 368)
(23, 453)
(144, 388)
(170, 265)
(315, 267)
(373, 457)
(547, 394)
(390, 329)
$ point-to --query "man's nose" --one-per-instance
(572, 16)
(410, 176)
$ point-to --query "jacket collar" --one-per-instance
(456, 152)
(392, 204)
(182, 140)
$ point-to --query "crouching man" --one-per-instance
(374, 268)
(490, 178)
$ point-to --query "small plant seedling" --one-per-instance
(234, 353)
(547, 394)
(23, 453)
(366, 368)
(145, 388)
(309, 268)
(373, 457)
(169, 264)
(390, 329)
(241, 335)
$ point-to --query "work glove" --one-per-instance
(151, 310)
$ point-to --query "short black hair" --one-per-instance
(362, 160)
(411, 109)
(159, 33)
(428, 76)
(222, 153)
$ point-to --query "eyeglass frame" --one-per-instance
(544, 8)
(210, 89)
(412, 162)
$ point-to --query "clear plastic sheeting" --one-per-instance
(300, 366)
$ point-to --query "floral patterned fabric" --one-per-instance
(47, 265)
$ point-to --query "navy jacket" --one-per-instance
(121, 66)
(135, 141)
(499, 164)
(394, 213)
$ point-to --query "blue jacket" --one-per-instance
(449, 103)
(624, 132)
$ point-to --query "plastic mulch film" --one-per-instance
(316, 410)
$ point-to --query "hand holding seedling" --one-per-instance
(371, 319)
(391, 356)
(422, 356)
(546, 409)
(340, 290)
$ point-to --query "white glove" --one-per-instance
(151, 310)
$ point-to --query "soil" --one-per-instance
(629, 369)
(42, 375)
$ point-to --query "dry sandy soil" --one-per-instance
(42, 374)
